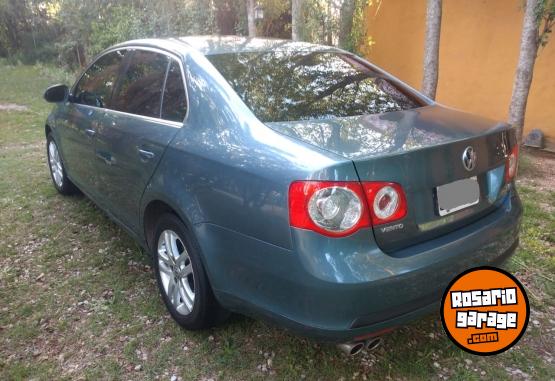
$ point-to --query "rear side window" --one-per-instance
(286, 86)
(96, 85)
(140, 89)
(174, 104)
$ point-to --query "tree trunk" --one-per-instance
(329, 28)
(346, 23)
(529, 44)
(78, 56)
(296, 19)
(250, 18)
(431, 48)
(226, 17)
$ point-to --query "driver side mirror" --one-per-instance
(56, 93)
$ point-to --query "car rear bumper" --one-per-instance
(340, 289)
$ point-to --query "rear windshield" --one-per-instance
(283, 86)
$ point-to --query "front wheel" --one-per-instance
(57, 170)
(181, 277)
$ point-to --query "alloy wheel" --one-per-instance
(55, 164)
(176, 272)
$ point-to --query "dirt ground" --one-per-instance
(12, 107)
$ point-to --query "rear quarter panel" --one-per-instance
(225, 168)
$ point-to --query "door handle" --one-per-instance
(90, 133)
(106, 157)
(146, 155)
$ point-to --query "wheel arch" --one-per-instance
(154, 208)
(152, 211)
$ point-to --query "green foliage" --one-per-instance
(358, 38)
(277, 19)
(545, 17)
(123, 23)
(72, 31)
(322, 23)
(319, 23)
(25, 32)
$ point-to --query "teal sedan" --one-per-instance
(289, 181)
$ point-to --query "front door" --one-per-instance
(133, 136)
(85, 109)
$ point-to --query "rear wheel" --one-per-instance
(181, 277)
(57, 170)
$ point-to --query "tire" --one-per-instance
(190, 301)
(57, 170)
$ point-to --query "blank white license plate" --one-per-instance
(457, 195)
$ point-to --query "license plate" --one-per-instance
(457, 195)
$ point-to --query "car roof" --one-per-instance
(210, 45)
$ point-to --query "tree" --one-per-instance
(226, 16)
(346, 15)
(277, 19)
(536, 13)
(13, 23)
(431, 48)
(296, 19)
(250, 18)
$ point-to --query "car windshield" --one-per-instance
(283, 86)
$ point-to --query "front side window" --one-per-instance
(140, 89)
(97, 84)
(174, 104)
(287, 86)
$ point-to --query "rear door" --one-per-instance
(149, 107)
(90, 96)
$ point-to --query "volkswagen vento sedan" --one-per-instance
(285, 180)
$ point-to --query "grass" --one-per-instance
(78, 299)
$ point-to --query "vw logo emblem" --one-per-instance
(469, 158)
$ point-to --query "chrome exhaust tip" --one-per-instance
(374, 343)
(352, 348)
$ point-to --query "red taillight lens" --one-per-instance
(331, 208)
(337, 209)
(511, 165)
(387, 201)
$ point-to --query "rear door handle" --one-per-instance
(146, 155)
(90, 133)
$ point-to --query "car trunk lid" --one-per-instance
(420, 149)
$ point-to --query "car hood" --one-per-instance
(390, 133)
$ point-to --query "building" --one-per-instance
(480, 41)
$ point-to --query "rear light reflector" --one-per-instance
(334, 209)
(386, 200)
(340, 208)
(511, 165)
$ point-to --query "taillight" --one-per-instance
(386, 200)
(338, 209)
(331, 208)
(511, 165)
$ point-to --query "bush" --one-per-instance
(124, 23)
